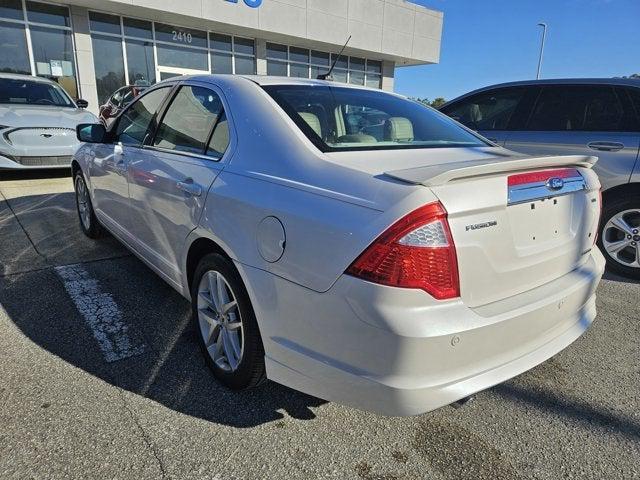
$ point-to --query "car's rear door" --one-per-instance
(108, 170)
(169, 183)
(583, 120)
(491, 112)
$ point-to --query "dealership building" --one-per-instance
(93, 47)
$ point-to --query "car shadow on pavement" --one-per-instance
(576, 410)
(171, 369)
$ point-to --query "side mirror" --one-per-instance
(91, 132)
(82, 103)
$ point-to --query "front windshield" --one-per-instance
(339, 118)
(28, 92)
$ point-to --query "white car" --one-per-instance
(346, 242)
(38, 123)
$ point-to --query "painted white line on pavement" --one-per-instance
(100, 312)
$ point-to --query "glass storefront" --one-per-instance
(36, 38)
(48, 27)
(134, 51)
(288, 61)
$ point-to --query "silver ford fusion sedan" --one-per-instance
(37, 123)
(346, 242)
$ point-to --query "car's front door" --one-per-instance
(491, 112)
(593, 120)
(109, 179)
(169, 184)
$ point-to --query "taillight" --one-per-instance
(415, 252)
(542, 176)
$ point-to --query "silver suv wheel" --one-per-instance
(621, 238)
(220, 321)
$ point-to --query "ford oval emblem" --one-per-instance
(46, 135)
(555, 183)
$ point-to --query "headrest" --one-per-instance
(357, 138)
(398, 129)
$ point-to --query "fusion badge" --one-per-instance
(478, 226)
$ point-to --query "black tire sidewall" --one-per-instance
(250, 371)
(612, 206)
(94, 230)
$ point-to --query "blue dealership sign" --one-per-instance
(250, 3)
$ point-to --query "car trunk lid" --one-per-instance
(517, 223)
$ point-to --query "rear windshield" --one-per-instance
(339, 119)
(28, 92)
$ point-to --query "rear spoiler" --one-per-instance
(433, 175)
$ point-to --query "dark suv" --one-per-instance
(598, 117)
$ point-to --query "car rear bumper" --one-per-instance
(396, 352)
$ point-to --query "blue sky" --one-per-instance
(493, 41)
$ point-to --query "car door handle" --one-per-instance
(189, 187)
(606, 146)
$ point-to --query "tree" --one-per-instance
(437, 103)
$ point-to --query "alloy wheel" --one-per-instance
(220, 321)
(82, 199)
(621, 238)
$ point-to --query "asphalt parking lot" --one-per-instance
(69, 410)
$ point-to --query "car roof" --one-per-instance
(264, 80)
(17, 76)
(632, 82)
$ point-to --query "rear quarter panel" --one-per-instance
(330, 212)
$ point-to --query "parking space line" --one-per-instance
(100, 312)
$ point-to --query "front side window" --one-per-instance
(577, 108)
(190, 120)
(134, 122)
(339, 118)
(28, 92)
(488, 110)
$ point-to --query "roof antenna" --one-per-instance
(327, 76)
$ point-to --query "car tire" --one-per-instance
(86, 215)
(626, 207)
(234, 354)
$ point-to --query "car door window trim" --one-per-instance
(113, 138)
(150, 139)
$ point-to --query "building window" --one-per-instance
(109, 65)
(232, 54)
(47, 14)
(49, 28)
(14, 56)
(140, 63)
(124, 51)
(286, 61)
(277, 56)
(244, 54)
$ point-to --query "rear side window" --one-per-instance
(342, 119)
(578, 108)
(194, 123)
(491, 110)
(634, 96)
(135, 121)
